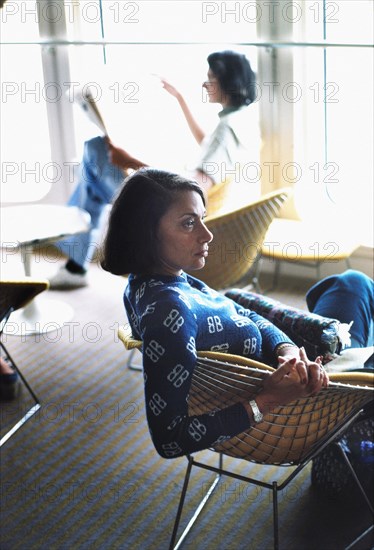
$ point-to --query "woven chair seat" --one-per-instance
(17, 293)
(288, 435)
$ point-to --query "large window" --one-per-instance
(314, 60)
(26, 168)
(146, 40)
(333, 114)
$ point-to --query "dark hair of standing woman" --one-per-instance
(235, 76)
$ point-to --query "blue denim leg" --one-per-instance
(98, 182)
(347, 297)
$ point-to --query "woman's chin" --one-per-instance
(198, 265)
(201, 263)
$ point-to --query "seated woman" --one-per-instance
(156, 232)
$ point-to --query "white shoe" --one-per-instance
(64, 279)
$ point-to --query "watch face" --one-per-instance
(257, 414)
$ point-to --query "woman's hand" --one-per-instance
(306, 368)
(120, 157)
(294, 378)
(117, 156)
(193, 125)
(172, 90)
(311, 373)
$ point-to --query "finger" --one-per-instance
(302, 371)
(326, 379)
(323, 374)
(282, 370)
(303, 355)
(316, 377)
(288, 363)
(314, 372)
(286, 359)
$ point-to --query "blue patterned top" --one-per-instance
(175, 316)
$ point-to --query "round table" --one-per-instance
(23, 228)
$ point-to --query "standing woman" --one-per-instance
(231, 83)
(157, 233)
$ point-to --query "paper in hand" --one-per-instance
(83, 97)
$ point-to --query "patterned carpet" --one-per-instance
(83, 474)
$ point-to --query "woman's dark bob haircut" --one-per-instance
(131, 245)
(235, 76)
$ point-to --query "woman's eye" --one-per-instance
(189, 223)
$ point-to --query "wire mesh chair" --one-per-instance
(313, 247)
(290, 436)
(14, 295)
(217, 195)
(238, 237)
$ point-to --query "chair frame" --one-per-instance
(130, 364)
(332, 436)
(274, 487)
(310, 260)
(214, 385)
(37, 403)
(316, 264)
(28, 289)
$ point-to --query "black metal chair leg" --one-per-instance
(275, 515)
(354, 475)
(132, 365)
(198, 509)
(31, 411)
(181, 502)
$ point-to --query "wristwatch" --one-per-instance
(257, 414)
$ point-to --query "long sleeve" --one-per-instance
(169, 357)
(271, 335)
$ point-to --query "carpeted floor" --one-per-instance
(83, 474)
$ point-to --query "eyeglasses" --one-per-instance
(212, 82)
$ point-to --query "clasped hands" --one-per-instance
(295, 377)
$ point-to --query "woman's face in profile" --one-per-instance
(183, 237)
(214, 90)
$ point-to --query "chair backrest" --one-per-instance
(288, 435)
(238, 238)
(18, 292)
(217, 196)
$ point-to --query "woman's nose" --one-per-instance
(206, 235)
